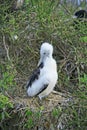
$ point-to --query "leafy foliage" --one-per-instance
(7, 80)
(5, 104)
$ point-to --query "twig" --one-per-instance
(23, 108)
(55, 100)
(66, 94)
(6, 48)
(66, 8)
(6, 93)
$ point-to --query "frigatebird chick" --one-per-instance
(81, 14)
(80, 19)
(44, 78)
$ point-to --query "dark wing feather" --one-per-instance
(43, 88)
(35, 75)
(41, 65)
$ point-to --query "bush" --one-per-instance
(5, 105)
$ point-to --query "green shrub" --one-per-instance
(5, 105)
(7, 81)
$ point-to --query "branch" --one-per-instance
(6, 48)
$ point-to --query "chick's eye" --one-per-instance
(44, 53)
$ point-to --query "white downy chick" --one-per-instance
(44, 78)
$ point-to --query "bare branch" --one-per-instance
(6, 48)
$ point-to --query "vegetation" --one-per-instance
(21, 34)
